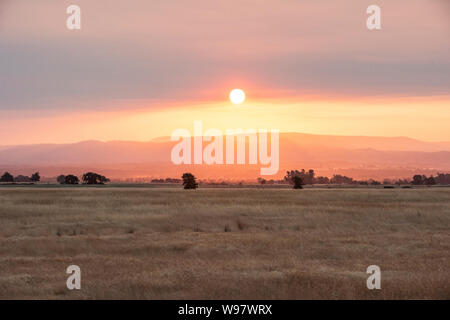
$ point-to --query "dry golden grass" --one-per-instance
(224, 243)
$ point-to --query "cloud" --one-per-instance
(163, 51)
(3, 4)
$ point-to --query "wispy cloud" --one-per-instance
(160, 50)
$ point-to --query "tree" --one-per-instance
(21, 178)
(430, 181)
(61, 179)
(298, 182)
(189, 181)
(262, 181)
(7, 177)
(307, 177)
(442, 178)
(35, 177)
(94, 178)
(418, 180)
(340, 179)
(321, 180)
(310, 177)
(71, 179)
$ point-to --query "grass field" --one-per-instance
(168, 243)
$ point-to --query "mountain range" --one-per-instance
(356, 156)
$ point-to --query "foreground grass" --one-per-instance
(224, 243)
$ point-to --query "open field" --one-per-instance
(168, 243)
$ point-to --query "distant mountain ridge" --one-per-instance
(297, 150)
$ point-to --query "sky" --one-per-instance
(139, 70)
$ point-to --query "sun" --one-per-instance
(237, 96)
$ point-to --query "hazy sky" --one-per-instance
(140, 69)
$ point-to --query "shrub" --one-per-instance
(61, 179)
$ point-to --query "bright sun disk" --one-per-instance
(237, 96)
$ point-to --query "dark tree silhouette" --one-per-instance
(7, 177)
(307, 177)
(21, 178)
(442, 178)
(94, 178)
(61, 179)
(340, 179)
(418, 180)
(298, 182)
(35, 177)
(430, 181)
(71, 179)
(189, 181)
(322, 180)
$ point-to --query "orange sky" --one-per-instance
(140, 71)
(395, 117)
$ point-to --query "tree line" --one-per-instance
(7, 177)
(440, 178)
(302, 177)
(297, 178)
(86, 178)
